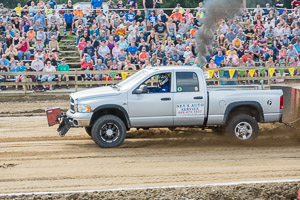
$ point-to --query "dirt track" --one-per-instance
(33, 158)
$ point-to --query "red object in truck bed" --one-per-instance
(52, 115)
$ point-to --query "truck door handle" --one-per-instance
(165, 99)
(199, 97)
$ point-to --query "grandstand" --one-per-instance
(103, 40)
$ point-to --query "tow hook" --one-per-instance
(64, 126)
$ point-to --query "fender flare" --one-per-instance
(234, 105)
(113, 106)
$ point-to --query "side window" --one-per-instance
(159, 83)
(187, 82)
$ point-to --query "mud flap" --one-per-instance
(64, 126)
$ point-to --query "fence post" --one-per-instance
(269, 82)
(25, 86)
(76, 80)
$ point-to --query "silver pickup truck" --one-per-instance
(170, 97)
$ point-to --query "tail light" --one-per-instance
(281, 102)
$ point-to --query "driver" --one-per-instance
(163, 84)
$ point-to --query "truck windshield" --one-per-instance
(131, 81)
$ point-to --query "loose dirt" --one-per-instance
(36, 159)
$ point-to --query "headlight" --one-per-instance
(83, 108)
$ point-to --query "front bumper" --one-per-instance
(79, 119)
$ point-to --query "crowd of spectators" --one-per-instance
(128, 38)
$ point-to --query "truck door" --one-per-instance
(154, 106)
(189, 102)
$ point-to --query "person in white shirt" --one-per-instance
(50, 77)
(103, 49)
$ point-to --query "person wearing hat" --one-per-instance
(31, 35)
(246, 56)
(160, 31)
(176, 14)
(3, 9)
(53, 18)
(25, 26)
(121, 30)
(68, 21)
(179, 8)
(41, 34)
(53, 44)
(130, 15)
(63, 67)
(18, 9)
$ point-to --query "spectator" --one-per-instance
(90, 50)
(2, 77)
(176, 14)
(103, 50)
(100, 66)
(291, 52)
(39, 45)
(23, 49)
(37, 65)
(148, 6)
(96, 5)
(68, 21)
(52, 4)
(41, 34)
(48, 78)
(143, 56)
(255, 51)
(231, 35)
(160, 30)
(40, 18)
(108, 60)
(81, 45)
(11, 52)
(132, 53)
(63, 67)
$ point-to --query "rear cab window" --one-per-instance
(187, 82)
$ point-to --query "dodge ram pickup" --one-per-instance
(170, 97)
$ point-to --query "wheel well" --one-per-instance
(249, 110)
(110, 111)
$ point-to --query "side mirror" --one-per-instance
(141, 90)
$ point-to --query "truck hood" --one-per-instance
(96, 93)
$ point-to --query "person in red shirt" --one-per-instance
(295, 3)
(177, 14)
(246, 56)
(23, 49)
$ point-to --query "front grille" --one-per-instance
(72, 105)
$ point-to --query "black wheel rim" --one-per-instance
(109, 132)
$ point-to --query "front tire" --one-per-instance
(109, 131)
(243, 127)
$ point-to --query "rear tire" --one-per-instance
(109, 131)
(242, 127)
(88, 130)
